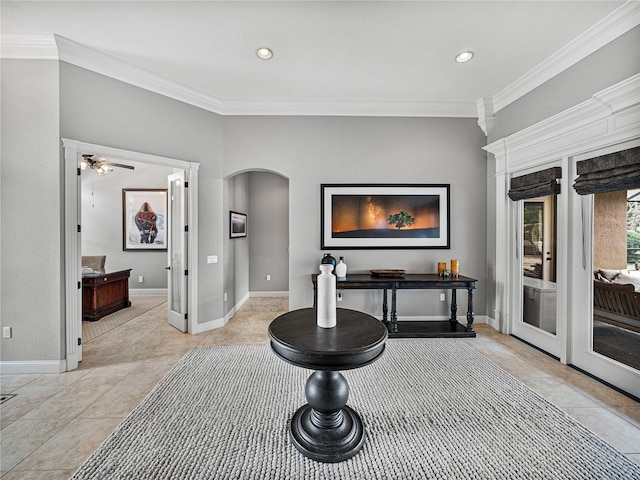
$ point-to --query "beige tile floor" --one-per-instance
(56, 421)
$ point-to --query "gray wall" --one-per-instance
(101, 208)
(97, 109)
(310, 151)
(31, 253)
(236, 252)
(306, 150)
(269, 232)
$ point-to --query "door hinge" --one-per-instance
(186, 272)
(78, 170)
(79, 285)
(186, 316)
(79, 228)
(186, 228)
(79, 341)
(186, 184)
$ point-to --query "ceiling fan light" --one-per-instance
(103, 170)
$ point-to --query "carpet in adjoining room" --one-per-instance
(139, 305)
(432, 409)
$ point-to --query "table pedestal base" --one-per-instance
(325, 429)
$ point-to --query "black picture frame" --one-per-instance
(237, 225)
(360, 216)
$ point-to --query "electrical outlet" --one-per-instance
(339, 296)
(212, 258)
(268, 278)
(140, 279)
(6, 332)
(225, 296)
(442, 297)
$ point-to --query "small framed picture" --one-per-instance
(237, 225)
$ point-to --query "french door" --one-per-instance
(177, 252)
(586, 354)
(538, 271)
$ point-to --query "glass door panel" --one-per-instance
(539, 305)
(615, 331)
(177, 253)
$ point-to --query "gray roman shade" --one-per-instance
(537, 184)
(609, 173)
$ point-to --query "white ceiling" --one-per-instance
(369, 56)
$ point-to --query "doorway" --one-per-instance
(73, 204)
(539, 261)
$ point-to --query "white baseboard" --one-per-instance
(148, 291)
(269, 294)
(33, 366)
(493, 323)
(219, 322)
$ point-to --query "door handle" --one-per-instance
(167, 268)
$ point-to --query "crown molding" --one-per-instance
(486, 117)
(612, 114)
(90, 59)
(361, 109)
(618, 22)
(28, 47)
(55, 47)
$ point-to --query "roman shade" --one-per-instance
(537, 184)
(609, 173)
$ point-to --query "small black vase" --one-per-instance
(328, 259)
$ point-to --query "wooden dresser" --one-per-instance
(104, 293)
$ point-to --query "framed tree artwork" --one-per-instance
(385, 216)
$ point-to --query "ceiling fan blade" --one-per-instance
(121, 165)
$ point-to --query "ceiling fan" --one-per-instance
(101, 165)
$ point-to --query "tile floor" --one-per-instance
(56, 421)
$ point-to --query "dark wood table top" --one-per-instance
(422, 280)
(356, 340)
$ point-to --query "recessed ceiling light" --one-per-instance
(264, 53)
(464, 57)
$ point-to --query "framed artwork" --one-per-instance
(144, 215)
(237, 225)
(385, 216)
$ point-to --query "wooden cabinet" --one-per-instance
(104, 293)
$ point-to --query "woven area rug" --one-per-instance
(139, 305)
(432, 409)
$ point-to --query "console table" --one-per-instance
(326, 429)
(104, 293)
(422, 281)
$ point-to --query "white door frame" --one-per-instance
(72, 150)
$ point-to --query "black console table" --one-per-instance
(422, 281)
(326, 429)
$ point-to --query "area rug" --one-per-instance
(139, 305)
(432, 409)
